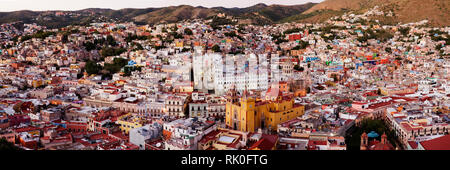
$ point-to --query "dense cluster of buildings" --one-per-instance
(189, 86)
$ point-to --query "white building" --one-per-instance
(138, 136)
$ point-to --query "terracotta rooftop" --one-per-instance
(441, 143)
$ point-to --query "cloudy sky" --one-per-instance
(42, 5)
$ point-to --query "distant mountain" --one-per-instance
(127, 14)
(436, 11)
(175, 13)
(25, 16)
(257, 14)
(51, 19)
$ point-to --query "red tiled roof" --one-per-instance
(377, 145)
(120, 135)
(313, 142)
(267, 142)
(26, 129)
(441, 143)
(312, 145)
(130, 146)
(412, 144)
(408, 126)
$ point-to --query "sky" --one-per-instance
(43, 5)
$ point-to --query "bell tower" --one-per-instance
(364, 141)
(248, 114)
(384, 138)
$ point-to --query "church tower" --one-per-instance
(384, 138)
(364, 141)
(248, 114)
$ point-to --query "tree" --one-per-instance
(110, 40)
(219, 21)
(388, 49)
(64, 38)
(301, 45)
(216, 48)
(89, 46)
(231, 34)
(5, 145)
(278, 39)
(185, 50)
(298, 68)
(116, 66)
(129, 69)
(92, 67)
(292, 30)
(187, 31)
(404, 31)
(112, 51)
(176, 35)
(138, 47)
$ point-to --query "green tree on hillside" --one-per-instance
(92, 67)
(216, 48)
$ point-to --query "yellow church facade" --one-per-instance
(249, 114)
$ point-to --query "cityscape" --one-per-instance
(265, 77)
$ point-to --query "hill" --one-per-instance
(175, 13)
(436, 11)
(257, 14)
